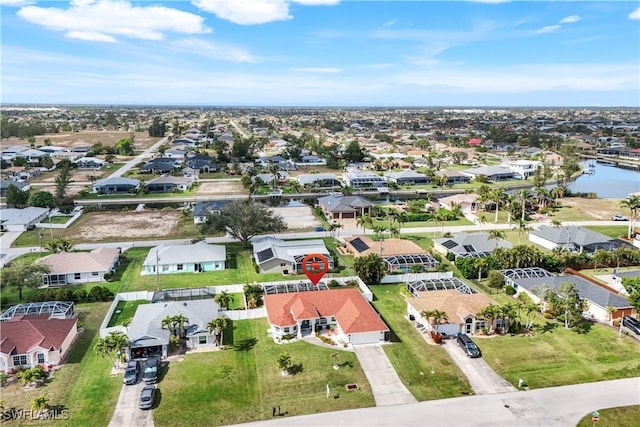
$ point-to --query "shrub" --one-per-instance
(510, 290)
(333, 283)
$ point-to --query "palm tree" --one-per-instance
(364, 221)
(435, 317)
(497, 235)
(541, 195)
(480, 263)
(496, 196)
(482, 220)
(524, 196)
(522, 227)
(508, 201)
(117, 341)
(40, 404)
(489, 314)
(224, 299)
(337, 226)
(542, 292)
(556, 223)
(217, 327)
(284, 363)
(167, 323)
(633, 204)
(180, 321)
(102, 349)
(557, 192)
(335, 357)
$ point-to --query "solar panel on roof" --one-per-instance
(265, 255)
(449, 244)
(359, 245)
(469, 248)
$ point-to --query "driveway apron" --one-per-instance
(127, 413)
(385, 383)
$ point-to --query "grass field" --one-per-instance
(613, 231)
(127, 311)
(555, 356)
(243, 382)
(624, 416)
(426, 370)
(83, 385)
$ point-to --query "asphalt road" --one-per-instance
(140, 158)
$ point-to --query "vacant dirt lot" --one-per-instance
(602, 209)
(298, 217)
(142, 140)
(220, 187)
(122, 225)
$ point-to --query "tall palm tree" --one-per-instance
(337, 226)
(496, 196)
(180, 320)
(167, 323)
(480, 263)
(102, 349)
(541, 195)
(364, 221)
(524, 196)
(438, 316)
(508, 201)
(489, 314)
(217, 327)
(284, 362)
(497, 235)
(522, 227)
(118, 341)
(557, 192)
(224, 299)
(633, 204)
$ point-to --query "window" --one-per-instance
(40, 357)
(95, 273)
(322, 321)
(286, 330)
(76, 276)
(20, 360)
(283, 264)
(202, 339)
(180, 267)
(165, 268)
(480, 324)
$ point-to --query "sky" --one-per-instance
(321, 53)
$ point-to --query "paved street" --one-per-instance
(387, 387)
(555, 406)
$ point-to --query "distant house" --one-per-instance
(598, 297)
(467, 201)
(474, 142)
(454, 177)
(89, 163)
(12, 219)
(195, 258)
(493, 173)
(358, 179)
(310, 160)
(5, 183)
(342, 207)
(185, 140)
(268, 178)
(147, 337)
(398, 254)
(203, 210)
(203, 164)
(160, 165)
(617, 276)
(30, 340)
(177, 153)
(80, 267)
(407, 177)
(167, 184)
(116, 185)
(281, 162)
(574, 238)
(465, 245)
(523, 169)
(318, 180)
(350, 315)
(285, 256)
(12, 152)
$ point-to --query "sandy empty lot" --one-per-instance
(602, 209)
(220, 187)
(297, 217)
(122, 225)
(141, 141)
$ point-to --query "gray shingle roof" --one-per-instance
(117, 180)
(182, 254)
(574, 234)
(343, 203)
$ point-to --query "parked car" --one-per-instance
(632, 324)
(150, 375)
(319, 229)
(468, 346)
(147, 395)
(131, 372)
(619, 218)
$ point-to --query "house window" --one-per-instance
(202, 339)
(286, 330)
(322, 321)
(165, 268)
(180, 266)
(276, 328)
(479, 325)
(40, 357)
(20, 360)
(95, 273)
(76, 276)
(283, 264)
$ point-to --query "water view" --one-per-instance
(607, 182)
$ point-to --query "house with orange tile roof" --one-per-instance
(30, 340)
(345, 311)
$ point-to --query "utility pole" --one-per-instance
(157, 269)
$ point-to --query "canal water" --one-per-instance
(608, 182)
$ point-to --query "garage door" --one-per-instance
(346, 215)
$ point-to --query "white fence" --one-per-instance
(254, 313)
(124, 296)
(412, 277)
(65, 225)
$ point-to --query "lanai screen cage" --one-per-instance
(439, 285)
(513, 274)
(55, 310)
(404, 262)
(183, 294)
(288, 287)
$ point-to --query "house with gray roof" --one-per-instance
(574, 239)
(12, 219)
(194, 258)
(285, 256)
(598, 297)
(342, 207)
(359, 179)
(147, 337)
(493, 173)
(5, 183)
(203, 210)
(116, 185)
(465, 245)
(408, 177)
(167, 184)
(318, 180)
(618, 276)
(454, 177)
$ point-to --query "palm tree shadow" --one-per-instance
(295, 369)
(245, 345)
(547, 327)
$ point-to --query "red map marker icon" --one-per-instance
(315, 266)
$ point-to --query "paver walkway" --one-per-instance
(385, 382)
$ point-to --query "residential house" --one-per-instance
(89, 163)
(360, 179)
(574, 238)
(281, 162)
(407, 177)
(147, 336)
(465, 245)
(5, 183)
(523, 169)
(33, 156)
(346, 311)
(195, 258)
(285, 256)
(12, 219)
(598, 296)
(80, 267)
(51, 149)
(617, 276)
(343, 207)
(186, 141)
(454, 177)
(116, 185)
(310, 160)
(12, 152)
(493, 173)
(167, 184)
(18, 173)
(202, 210)
(268, 178)
(467, 202)
(202, 163)
(318, 180)
(461, 310)
(399, 254)
(176, 153)
(160, 165)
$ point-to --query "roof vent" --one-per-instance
(184, 303)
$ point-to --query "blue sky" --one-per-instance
(321, 53)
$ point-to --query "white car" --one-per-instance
(619, 218)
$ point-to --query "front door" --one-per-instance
(468, 326)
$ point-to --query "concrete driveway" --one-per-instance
(385, 383)
(481, 376)
(127, 413)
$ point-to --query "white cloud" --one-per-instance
(318, 69)
(547, 29)
(570, 19)
(317, 2)
(102, 20)
(218, 51)
(16, 3)
(254, 12)
(635, 14)
(389, 23)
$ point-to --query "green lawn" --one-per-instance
(624, 416)
(426, 370)
(613, 231)
(112, 167)
(127, 311)
(243, 383)
(554, 356)
(55, 220)
(83, 385)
